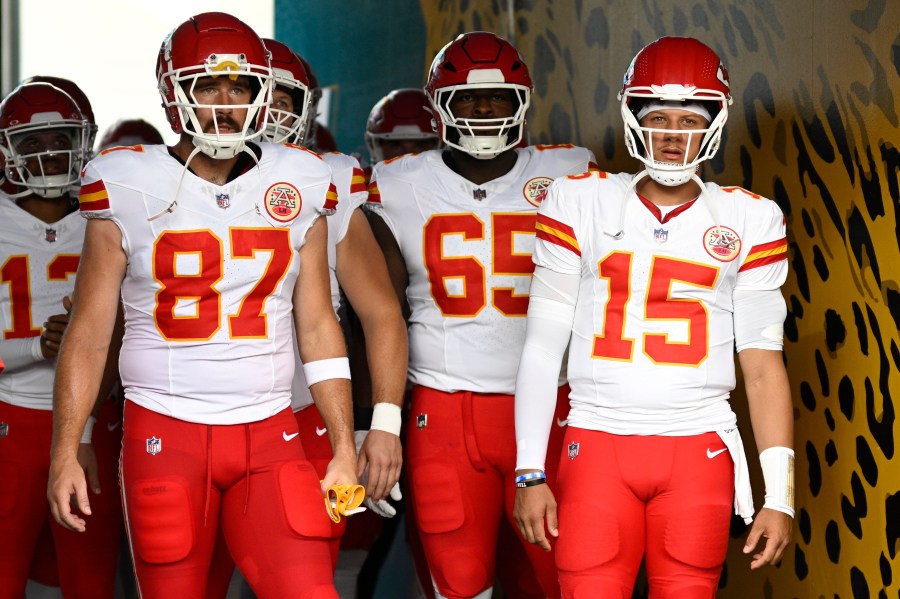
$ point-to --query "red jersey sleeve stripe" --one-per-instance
(557, 233)
(374, 194)
(93, 196)
(331, 198)
(358, 181)
(766, 253)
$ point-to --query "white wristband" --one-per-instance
(36, 352)
(386, 417)
(88, 429)
(778, 472)
(323, 370)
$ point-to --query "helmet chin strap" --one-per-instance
(672, 178)
(483, 147)
(619, 232)
(218, 151)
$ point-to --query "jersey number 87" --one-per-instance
(199, 288)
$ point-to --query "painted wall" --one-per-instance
(359, 51)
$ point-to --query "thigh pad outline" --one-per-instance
(303, 501)
(438, 498)
(159, 519)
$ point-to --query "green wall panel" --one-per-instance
(360, 50)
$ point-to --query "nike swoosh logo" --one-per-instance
(321, 431)
(562, 423)
(113, 426)
(712, 454)
(288, 437)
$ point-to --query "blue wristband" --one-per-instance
(530, 476)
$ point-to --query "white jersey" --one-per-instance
(350, 182)
(208, 287)
(467, 250)
(38, 262)
(652, 347)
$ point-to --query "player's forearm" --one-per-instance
(769, 398)
(78, 378)
(387, 352)
(334, 403)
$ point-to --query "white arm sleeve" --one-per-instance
(17, 353)
(759, 319)
(551, 312)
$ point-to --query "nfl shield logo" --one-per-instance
(154, 445)
(50, 235)
(4, 429)
(573, 450)
(223, 200)
(479, 194)
(421, 421)
(660, 235)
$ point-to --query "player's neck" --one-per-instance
(49, 210)
(665, 195)
(476, 170)
(214, 170)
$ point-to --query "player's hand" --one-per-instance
(775, 526)
(66, 483)
(87, 457)
(341, 471)
(52, 335)
(379, 462)
(535, 506)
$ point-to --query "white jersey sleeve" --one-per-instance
(210, 276)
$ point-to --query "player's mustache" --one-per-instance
(221, 121)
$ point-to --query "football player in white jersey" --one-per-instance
(44, 141)
(217, 249)
(651, 281)
(457, 228)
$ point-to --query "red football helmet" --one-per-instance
(310, 135)
(675, 72)
(130, 132)
(290, 75)
(479, 60)
(210, 45)
(71, 88)
(43, 138)
(403, 114)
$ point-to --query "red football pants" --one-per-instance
(88, 564)
(181, 481)
(461, 454)
(624, 497)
